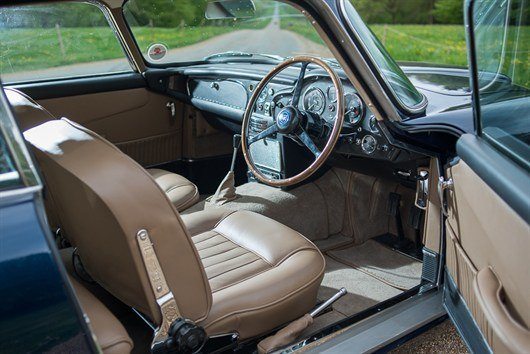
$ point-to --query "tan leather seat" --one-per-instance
(110, 334)
(182, 192)
(261, 273)
(229, 271)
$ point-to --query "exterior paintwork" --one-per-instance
(37, 311)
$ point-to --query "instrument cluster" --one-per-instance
(360, 134)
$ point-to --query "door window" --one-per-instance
(58, 40)
(502, 36)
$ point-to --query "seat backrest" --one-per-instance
(104, 198)
(28, 113)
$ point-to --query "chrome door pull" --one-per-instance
(444, 184)
(172, 109)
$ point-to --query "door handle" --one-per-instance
(444, 184)
(488, 290)
(172, 109)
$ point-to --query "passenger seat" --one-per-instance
(182, 192)
(110, 334)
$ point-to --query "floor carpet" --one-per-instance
(390, 267)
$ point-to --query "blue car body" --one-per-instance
(38, 311)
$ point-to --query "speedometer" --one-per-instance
(314, 101)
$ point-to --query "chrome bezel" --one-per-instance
(330, 90)
(321, 93)
(347, 100)
(362, 144)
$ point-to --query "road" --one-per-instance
(269, 40)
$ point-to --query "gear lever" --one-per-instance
(227, 190)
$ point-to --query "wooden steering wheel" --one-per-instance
(291, 121)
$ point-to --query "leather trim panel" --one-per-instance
(510, 181)
(138, 121)
(484, 234)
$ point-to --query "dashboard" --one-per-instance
(227, 98)
(221, 91)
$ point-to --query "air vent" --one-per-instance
(430, 265)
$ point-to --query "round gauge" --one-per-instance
(314, 101)
(332, 94)
(373, 124)
(354, 109)
(368, 144)
(262, 96)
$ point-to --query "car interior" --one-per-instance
(248, 192)
(259, 260)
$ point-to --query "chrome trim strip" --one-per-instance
(16, 144)
(10, 195)
(107, 12)
(9, 176)
(386, 327)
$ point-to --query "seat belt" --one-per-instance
(175, 334)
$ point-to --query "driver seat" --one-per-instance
(229, 271)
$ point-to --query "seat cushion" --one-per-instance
(180, 190)
(108, 330)
(262, 274)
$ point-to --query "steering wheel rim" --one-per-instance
(333, 136)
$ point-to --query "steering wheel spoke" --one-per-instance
(308, 142)
(263, 134)
(290, 121)
(298, 86)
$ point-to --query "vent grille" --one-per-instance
(430, 266)
(154, 150)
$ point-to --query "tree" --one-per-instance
(449, 11)
(395, 11)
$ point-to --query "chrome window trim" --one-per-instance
(420, 107)
(109, 15)
(17, 146)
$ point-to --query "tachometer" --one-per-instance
(354, 109)
(314, 101)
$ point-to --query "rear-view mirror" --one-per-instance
(230, 9)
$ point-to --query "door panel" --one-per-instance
(487, 257)
(138, 121)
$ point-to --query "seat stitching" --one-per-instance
(243, 279)
(209, 238)
(172, 188)
(235, 268)
(223, 218)
(211, 265)
(287, 296)
(213, 255)
(187, 203)
(265, 270)
(245, 248)
(211, 246)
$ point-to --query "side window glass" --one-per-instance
(502, 42)
(57, 40)
(9, 176)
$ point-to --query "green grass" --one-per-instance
(440, 44)
(434, 44)
(33, 49)
(430, 44)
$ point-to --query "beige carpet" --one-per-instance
(372, 258)
(315, 209)
(364, 291)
